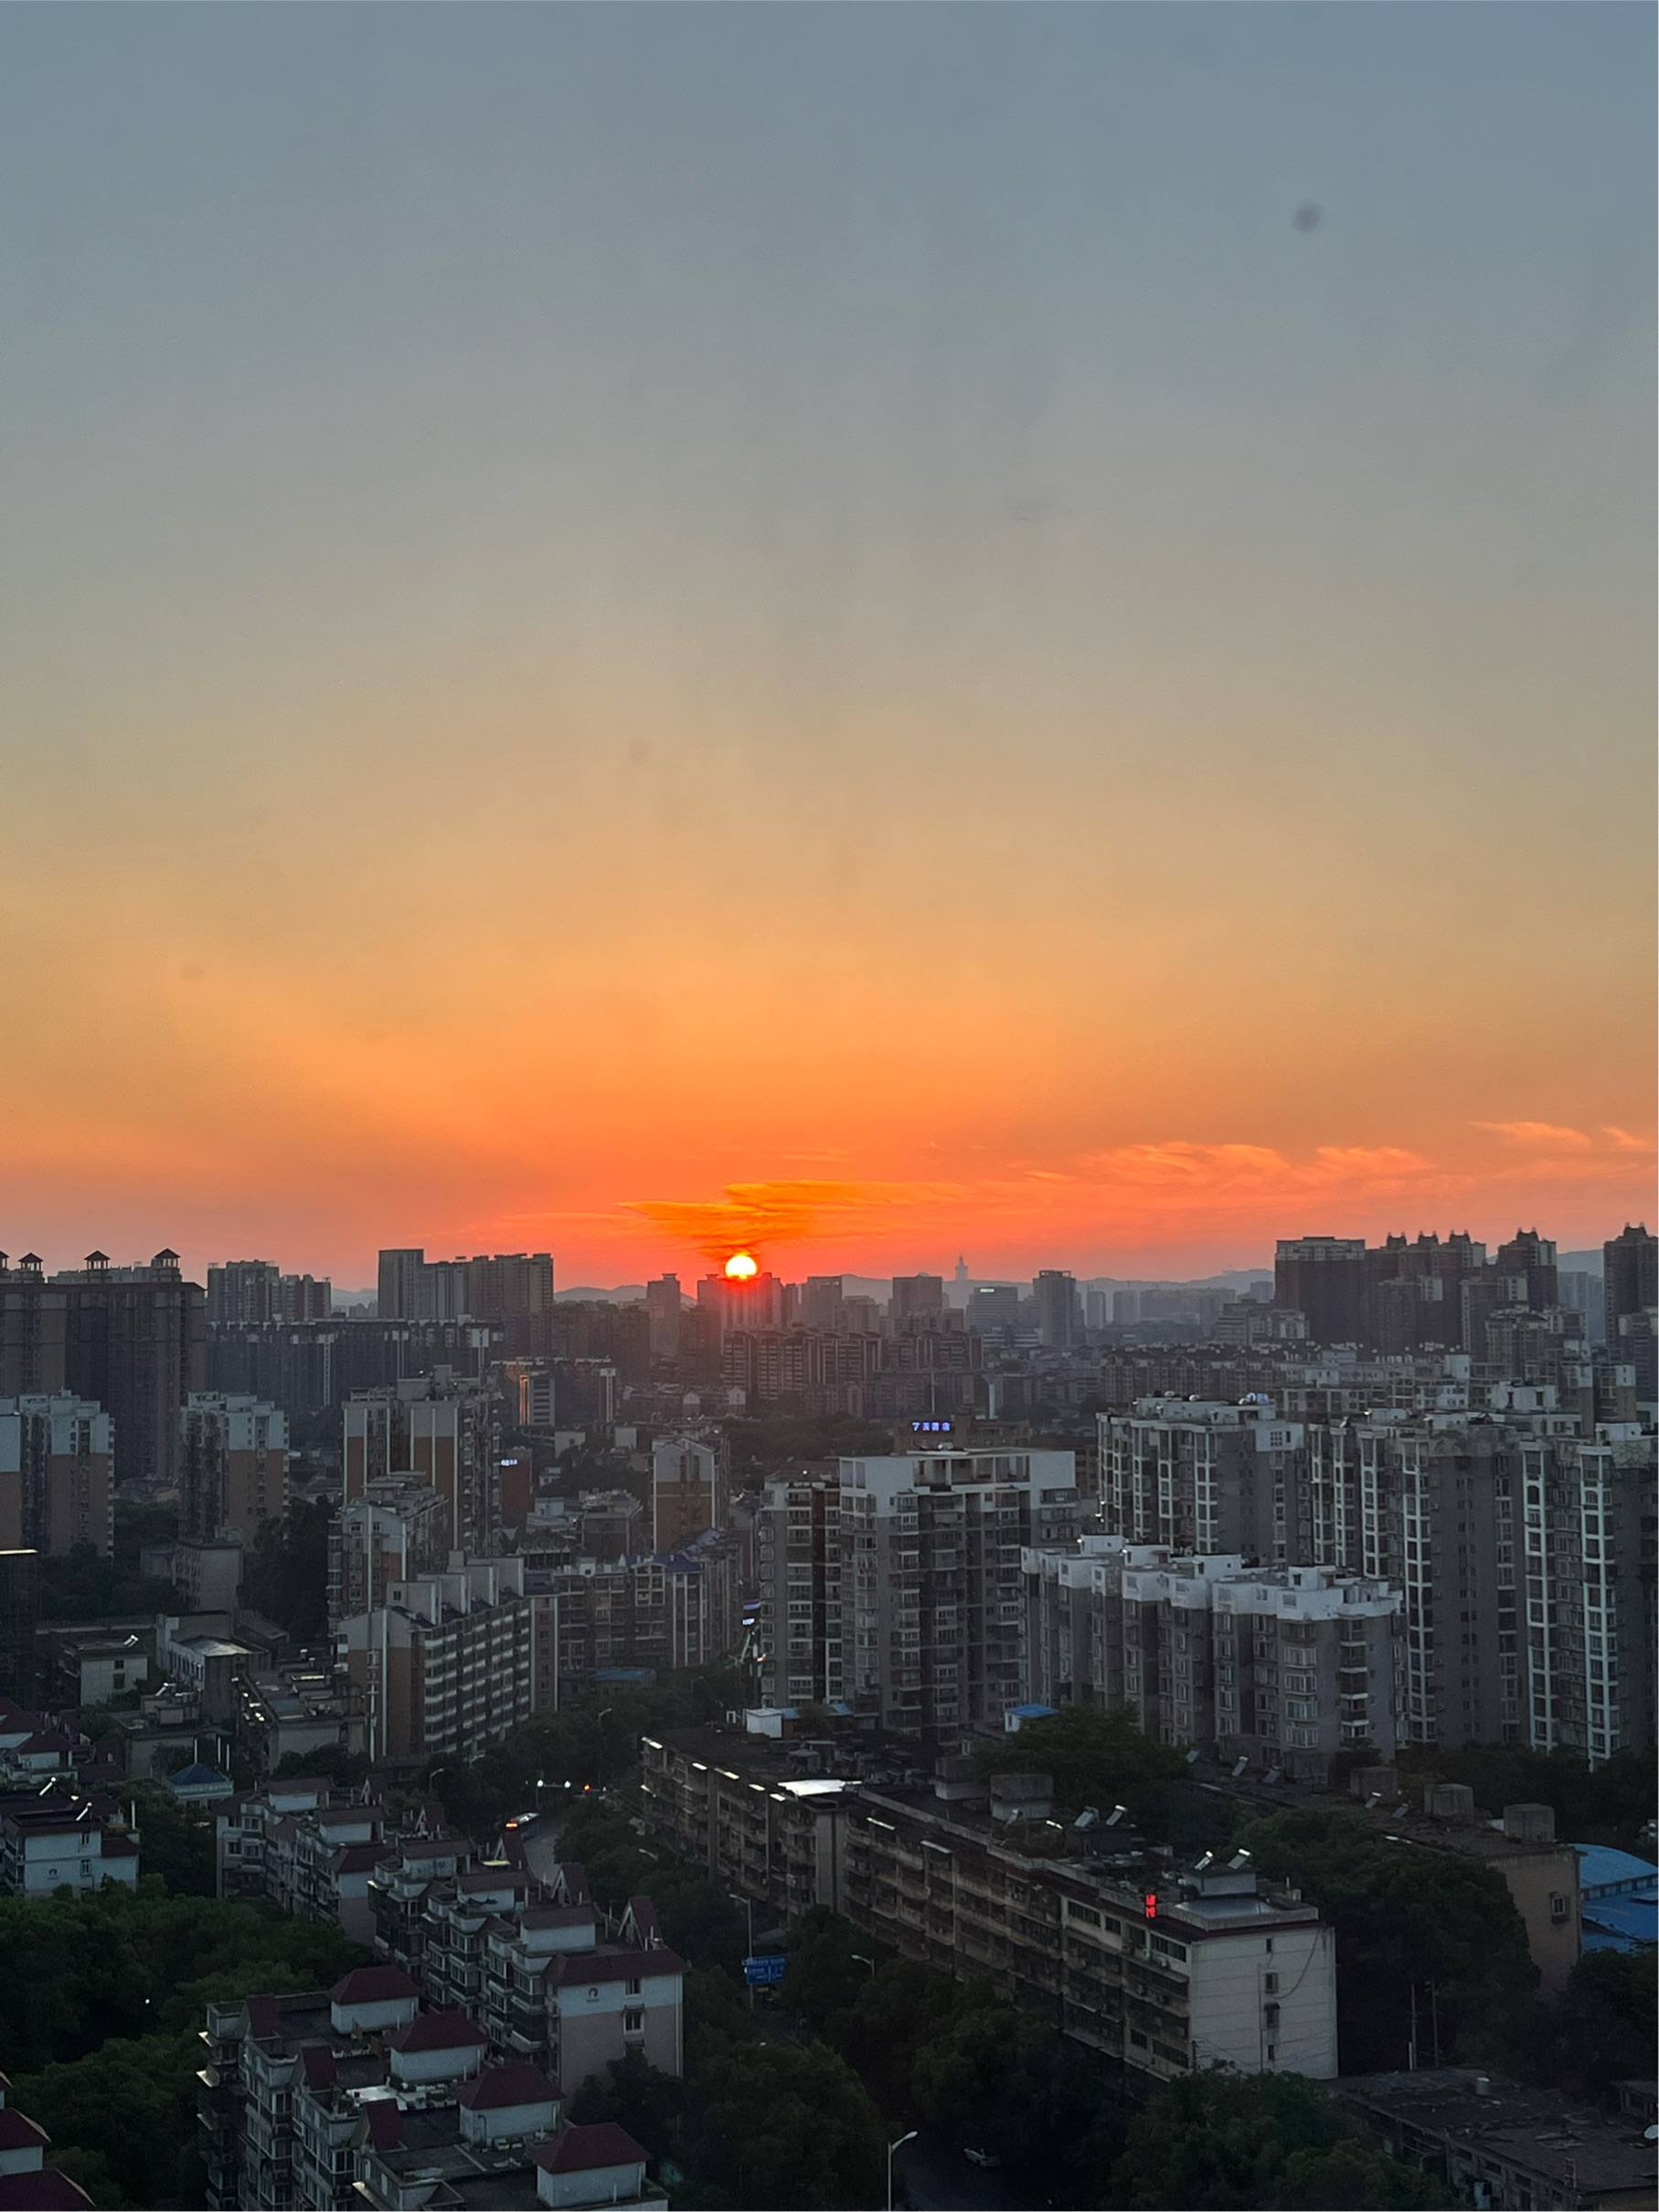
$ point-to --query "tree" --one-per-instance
(769, 2123)
(1600, 2030)
(1236, 2140)
(1098, 1756)
(130, 2106)
(824, 1975)
(901, 2006)
(176, 1841)
(637, 2097)
(1406, 1919)
(286, 1574)
(1002, 2081)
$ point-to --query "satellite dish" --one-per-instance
(1650, 2134)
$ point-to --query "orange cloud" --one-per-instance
(755, 1216)
(1547, 1134)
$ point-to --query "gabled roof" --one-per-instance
(503, 2086)
(320, 2069)
(373, 1985)
(46, 2191)
(581, 2150)
(18, 2132)
(385, 2124)
(566, 1968)
(435, 2032)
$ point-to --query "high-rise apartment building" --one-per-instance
(233, 1472)
(1206, 1477)
(1512, 1550)
(1630, 1290)
(397, 1531)
(896, 1584)
(132, 1340)
(514, 1289)
(445, 1664)
(57, 1474)
(687, 1490)
(913, 1295)
(663, 1307)
(242, 1293)
(440, 1430)
(1324, 1278)
(1059, 1315)
(1287, 1666)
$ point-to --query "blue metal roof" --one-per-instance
(1601, 1868)
(1621, 1924)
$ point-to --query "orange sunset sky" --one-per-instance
(629, 630)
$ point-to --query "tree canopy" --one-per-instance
(1232, 2141)
(1406, 1919)
(1098, 1756)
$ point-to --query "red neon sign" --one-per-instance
(1152, 1904)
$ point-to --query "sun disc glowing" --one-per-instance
(742, 1266)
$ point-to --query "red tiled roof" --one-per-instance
(46, 2191)
(264, 2018)
(558, 1916)
(318, 2061)
(373, 1985)
(357, 1858)
(581, 2150)
(385, 2124)
(503, 2086)
(435, 2032)
(18, 2132)
(570, 1967)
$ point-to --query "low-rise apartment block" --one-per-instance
(54, 1838)
(551, 1978)
(356, 2095)
(1159, 1971)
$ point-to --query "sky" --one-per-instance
(876, 631)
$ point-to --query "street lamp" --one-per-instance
(748, 1905)
(864, 1961)
(891, 2148)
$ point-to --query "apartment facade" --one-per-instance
(447, 1663)
(438, 1430)
(132, 1340)
(233, 1466)
(57, 1474)
(1287, 1666)
(687, 1490)
(895, 1585)
(1161, 1974)
(396, 1530)
(1206, 1476)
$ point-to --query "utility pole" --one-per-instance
(1411, 2043)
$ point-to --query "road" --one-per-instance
(932, 2177)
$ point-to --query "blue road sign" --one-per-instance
(762, 1972)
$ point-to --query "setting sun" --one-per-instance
(741, 1268)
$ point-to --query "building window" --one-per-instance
(632, 1989)
(1560, 1907)
(633, 2021)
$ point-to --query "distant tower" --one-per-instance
(962, 1269)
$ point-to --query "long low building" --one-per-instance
(1160, 1972)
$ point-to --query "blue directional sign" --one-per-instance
(766, 1970)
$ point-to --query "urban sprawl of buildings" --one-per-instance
(1398, 1495)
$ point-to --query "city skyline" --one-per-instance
(1021, 629)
